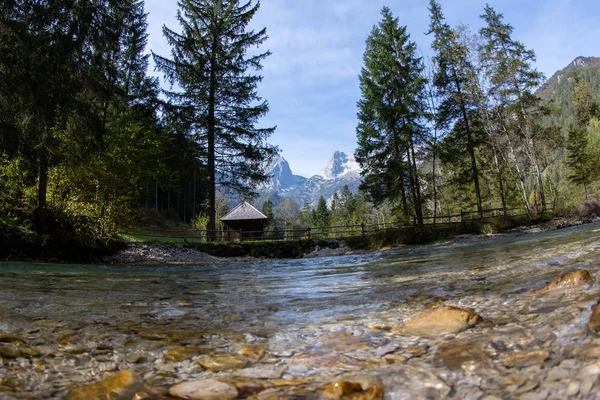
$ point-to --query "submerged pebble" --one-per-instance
(438, 321)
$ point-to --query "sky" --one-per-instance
(311, 79)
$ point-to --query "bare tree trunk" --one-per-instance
(42, 189)
(433, 183)
(194, 198)
(415, 174)
(212, 186)
(521, 179)
(500, 178)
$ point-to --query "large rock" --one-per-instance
(594, 322)
(588, 210)
(438, 321)
(208, 389)
(566, 281)
(122, 386)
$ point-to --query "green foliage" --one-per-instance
(390, 112)
(200, 222)
(457, 92)
(321, 216)
(578, 158)
(267, 210)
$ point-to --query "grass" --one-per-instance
(140, 238)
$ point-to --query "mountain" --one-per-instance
(340, 164)
(558, 89)
(341, 169)
(283, 178)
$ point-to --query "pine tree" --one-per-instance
(390, 113)
(578, 157)
(578, 160)
(453, 80)
(267, 210)
(321, 215)
(218, 97)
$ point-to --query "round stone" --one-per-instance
(208, 389)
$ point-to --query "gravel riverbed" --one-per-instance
(330, 327)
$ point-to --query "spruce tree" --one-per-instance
(578, 160)
(218, 97)
(267, 210)
(390, 113)
(453, 79)
(581, 164)
(321, 215)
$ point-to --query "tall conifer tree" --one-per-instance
(218, 97)
(390, 113)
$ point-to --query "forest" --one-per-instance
(91, 144)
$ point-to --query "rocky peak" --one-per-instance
(340, 164)
(586, 62)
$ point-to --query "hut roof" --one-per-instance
(243, 212)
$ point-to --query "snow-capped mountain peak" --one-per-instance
(340, 164)
(282, 176)
(341, 170)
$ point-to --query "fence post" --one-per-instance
(308, 230)
(184, 236)
(241, 235)
(362, 228)
(462, 216)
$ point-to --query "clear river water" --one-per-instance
(288, 328)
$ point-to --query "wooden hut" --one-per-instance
(245, 222)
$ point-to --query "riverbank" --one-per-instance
(157, 253)
(129, 252)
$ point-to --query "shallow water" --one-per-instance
(83, 320)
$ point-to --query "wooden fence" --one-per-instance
(330, 232)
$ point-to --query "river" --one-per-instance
(290, 327)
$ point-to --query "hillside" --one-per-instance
(558, 89)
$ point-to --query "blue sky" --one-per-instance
(311, 80)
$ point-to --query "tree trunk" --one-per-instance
(521, 179)
(194, 200)
(411, 180)
(470, 146)
(537, 172)
(212, 187)
(418, 202)
(500, 178)
(42, 189)
(433, 176)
